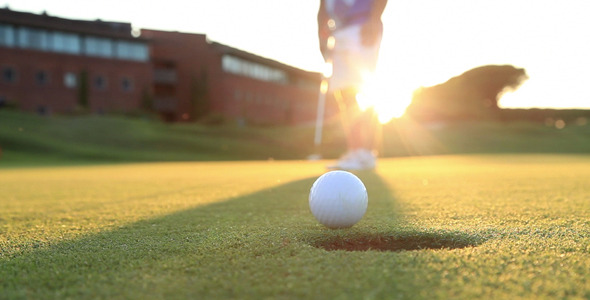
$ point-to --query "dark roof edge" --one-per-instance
(98, 27)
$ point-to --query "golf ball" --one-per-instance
(338, 199)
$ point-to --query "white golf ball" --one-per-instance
(338, 199)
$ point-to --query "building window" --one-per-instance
(127, 85)
(132, 51)
(70, 80)
(65, 43)
(96, 46)
(33, 38)
(41, 78)
(239, 66)
(9, 74)
(6, 35)
(100, 83)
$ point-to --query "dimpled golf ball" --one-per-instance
(338, 199)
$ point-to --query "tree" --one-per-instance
(471, 95)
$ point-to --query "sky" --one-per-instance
(426, 42)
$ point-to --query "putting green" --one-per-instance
(470, 226)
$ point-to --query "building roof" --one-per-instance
(225, 49)
(122, 30)
(119, 30)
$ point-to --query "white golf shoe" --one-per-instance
(361, 159)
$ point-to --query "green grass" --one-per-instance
(458, 227)
(27, 139)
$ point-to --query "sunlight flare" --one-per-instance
(327, 69)
(384, 97)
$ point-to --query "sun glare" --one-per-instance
(327, 69)
(388, 101)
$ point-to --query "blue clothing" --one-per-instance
(349, 12)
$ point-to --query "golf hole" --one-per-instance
(404, 242)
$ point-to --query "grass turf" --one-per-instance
(467, 226)
(30, 140)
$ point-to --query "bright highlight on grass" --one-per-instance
(388, 101)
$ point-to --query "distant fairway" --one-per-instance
(460, 227)
(30, 140)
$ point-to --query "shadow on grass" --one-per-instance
(236, 248)
(405, 241)
(156, 257)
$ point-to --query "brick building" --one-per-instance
(51, 64)
(194, 76)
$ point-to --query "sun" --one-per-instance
(387, 99)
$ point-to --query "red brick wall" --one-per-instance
(189, 55)
(29, 95)
(230, 95)
(262, 102)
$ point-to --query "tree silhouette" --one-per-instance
(471, 95)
